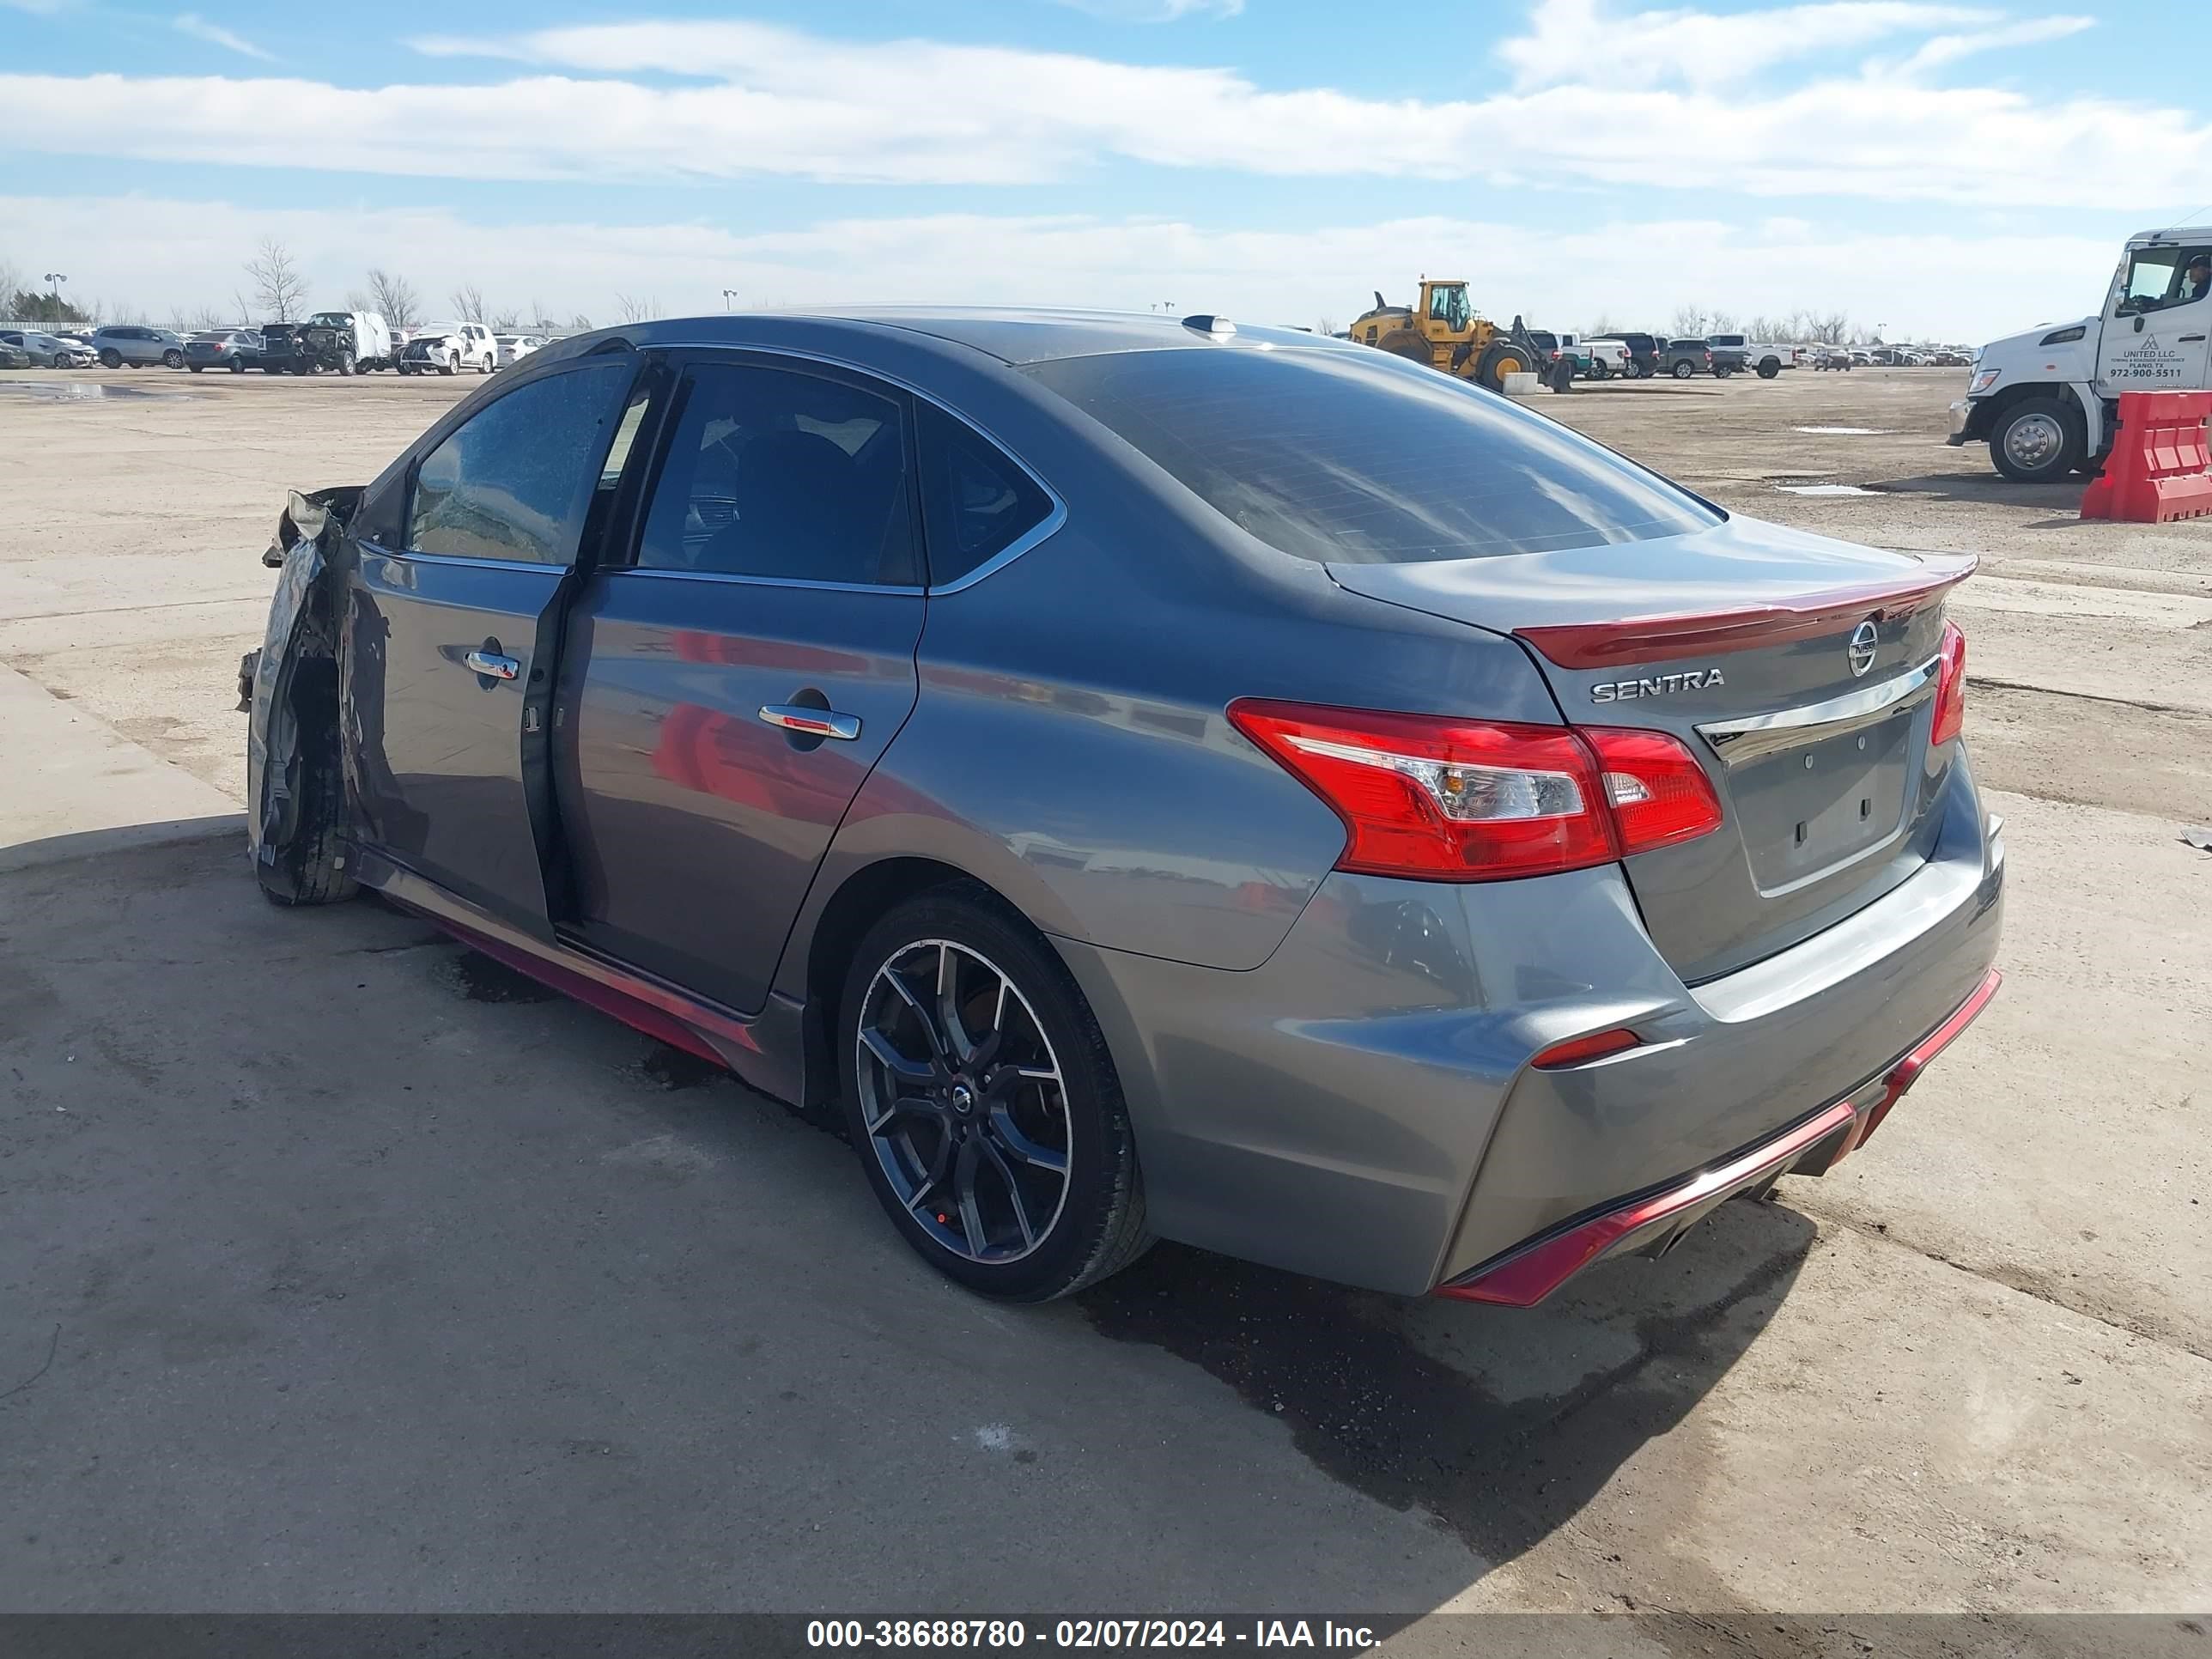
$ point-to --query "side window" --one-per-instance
(975, 502)
(785, 475)
(513, 482)
(2161, 276)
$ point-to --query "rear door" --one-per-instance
(726, 689)
(451, 631)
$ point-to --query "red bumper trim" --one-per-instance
(1524, 1275)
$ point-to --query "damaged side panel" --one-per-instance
(288, 688)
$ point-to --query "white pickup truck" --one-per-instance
(2044, 401)
(1732, 352)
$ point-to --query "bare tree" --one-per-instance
(11, 284)
(393, 298)
(357, 299)
(189, 319)
(580, 324)
(280, 288)
(1327, 325)
(538, 320)
(506, 322)
(468, 303)
(637, 311)
(1690, 322)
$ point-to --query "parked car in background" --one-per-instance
(1684, 358)
(1643, 352)
(343, 342)
(1863, 357)
(1738, 352)
(48, 351)
(234, 348)
(1604, 359)
(513, 348)
(13, 356)
(1833, 357)
(122, 344)
(1340, 906)
(449, 348)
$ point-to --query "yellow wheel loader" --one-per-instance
(1443, 331)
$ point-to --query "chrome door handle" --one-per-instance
(491, 662)
(811, 722)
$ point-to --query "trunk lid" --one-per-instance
(1798, 669)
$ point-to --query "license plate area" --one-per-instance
(1806, 810)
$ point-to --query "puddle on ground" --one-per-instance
(1844, 431)
(1824, 490)
(79, 391)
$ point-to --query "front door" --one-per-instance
(451, 633)
(724, 691)
(2156, 320)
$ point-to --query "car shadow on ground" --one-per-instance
(1501, 1424)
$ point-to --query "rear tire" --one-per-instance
(173, 360)
(1683, 371)
(196, 368)
(949, 1164)
(111, 358)
(1769, 369)
(2038, 439)
(345, 363)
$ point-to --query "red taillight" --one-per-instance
(1576, 1050)
(1950, 686)
(1441, 799)
(1659, 794)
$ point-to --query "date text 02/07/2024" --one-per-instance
(1089, 1634)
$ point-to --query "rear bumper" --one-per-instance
(1363, 1106)
(1652, 1223)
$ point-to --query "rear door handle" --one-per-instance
(811, 722)
(2192, 337)
(491, 662)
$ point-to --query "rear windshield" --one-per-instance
(1347, 456)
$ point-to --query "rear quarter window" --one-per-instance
(1339, 456)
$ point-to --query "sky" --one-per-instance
(1937, 170)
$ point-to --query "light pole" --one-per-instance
(54, 280)
(728, 295)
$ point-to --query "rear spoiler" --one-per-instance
(1708, 633)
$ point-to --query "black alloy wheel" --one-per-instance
(985, 1109)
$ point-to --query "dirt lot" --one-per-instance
(337, 1271)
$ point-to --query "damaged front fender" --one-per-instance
(300, 630)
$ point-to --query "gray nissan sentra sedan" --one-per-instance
(1154, 779)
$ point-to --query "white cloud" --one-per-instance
(754, 98)
(199, 28)
(1637, 272)
(1950, 48)
(1569, 39)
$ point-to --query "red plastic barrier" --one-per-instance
(2158, 467)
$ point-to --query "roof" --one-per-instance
(1011, 334)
